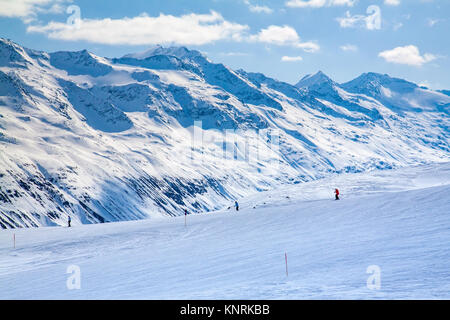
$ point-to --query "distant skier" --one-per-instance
(336, 192)
(236, 205)
(69, 220)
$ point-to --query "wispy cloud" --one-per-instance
(432, 22)
(392, 2)
(349, 47)
(258, 8)
(234, 54)
(371, 22)
(319, 3)
(397, 26)
(409, 55)
(291, 59)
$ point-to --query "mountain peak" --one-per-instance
(178, 52)
(8, 45)
(372, 83)
(80, 62)
(12, 53)
(6, 41)
(374, 76)
(312, 80)
(318, 82)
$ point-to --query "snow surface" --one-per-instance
(398, 220)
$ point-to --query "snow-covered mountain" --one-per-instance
(104, 139)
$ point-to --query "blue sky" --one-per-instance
(282, 39)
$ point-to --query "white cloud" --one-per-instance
(319, 3)
(258, 8)
(291, 59)
(28, 8)
(408, 55)
(189, 29)
(392, 2)
(349, 47)
(283, 36)
(278, 35)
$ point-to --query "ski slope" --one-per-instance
(397, 220)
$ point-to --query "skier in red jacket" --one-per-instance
(336, 192)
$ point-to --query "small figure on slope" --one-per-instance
(69, 220)
(236, 205)
(336, 192)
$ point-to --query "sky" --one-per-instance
(285, 39)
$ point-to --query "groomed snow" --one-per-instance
(397, 220)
